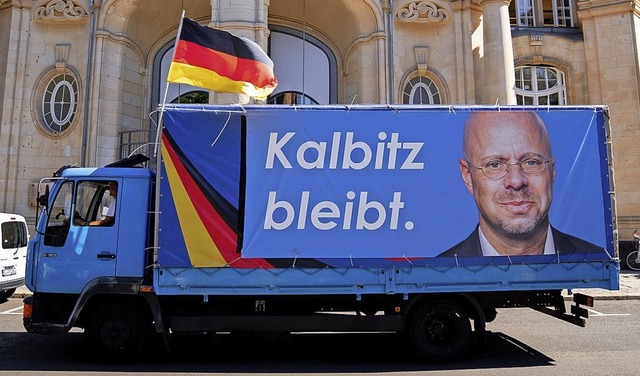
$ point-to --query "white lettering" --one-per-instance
(354, 154)
(275, 150)
(393, 147)
(319, 147)
(324, 209)
(409, 163)
(326, 215)
(380, 150)
(349, 148)
(365, 206)
(335, 150)
(272, 206)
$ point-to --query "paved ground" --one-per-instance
(629, 289)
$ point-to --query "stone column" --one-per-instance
(499, 75)
(245, 18)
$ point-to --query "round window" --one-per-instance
(59, 103)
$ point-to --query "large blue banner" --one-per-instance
(374, 182)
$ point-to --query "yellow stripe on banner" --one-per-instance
(188, 74)
(201, 248)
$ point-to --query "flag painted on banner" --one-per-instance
(220, 61)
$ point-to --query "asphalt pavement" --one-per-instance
(629, 289)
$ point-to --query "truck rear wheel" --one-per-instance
(116, 332)
(440, 332)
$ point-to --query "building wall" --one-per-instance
(600, 60)
(611, 49)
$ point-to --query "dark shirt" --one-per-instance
(564, 243)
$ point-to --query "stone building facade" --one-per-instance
(80, 79)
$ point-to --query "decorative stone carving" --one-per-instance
(58, 10)
(535, 41)
(422, 57)
(62, 54)
(423, 12)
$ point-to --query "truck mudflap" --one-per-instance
(578, 313)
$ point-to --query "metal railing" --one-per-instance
(139, 142)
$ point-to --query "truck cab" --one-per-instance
(92, 235)
(13, 253)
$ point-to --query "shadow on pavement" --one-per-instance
(299, 353)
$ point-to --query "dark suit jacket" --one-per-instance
(565, 244)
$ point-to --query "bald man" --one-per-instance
(509, 169)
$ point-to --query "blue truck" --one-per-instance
(330, 219)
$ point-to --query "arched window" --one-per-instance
(196, 96)
(291, 97)
(59, 103)
(421, 90)
(302, 64)
(540, 85)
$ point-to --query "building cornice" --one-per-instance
(588, 9)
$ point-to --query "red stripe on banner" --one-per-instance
(237, 69)
(222, 235)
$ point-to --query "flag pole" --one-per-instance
(156, 213)
(166, 89)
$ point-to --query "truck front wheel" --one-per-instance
(116, 332)
(440, 332)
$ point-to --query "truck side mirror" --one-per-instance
(43, 200)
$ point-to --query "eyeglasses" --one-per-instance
(496, 169)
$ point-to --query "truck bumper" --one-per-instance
(39, 327)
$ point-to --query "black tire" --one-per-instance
(116, 333)
(440, 332)
(6, 294)
(632, 261)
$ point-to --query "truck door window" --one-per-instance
(95, 203)
(59, 216)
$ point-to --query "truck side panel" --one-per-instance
(316, 188)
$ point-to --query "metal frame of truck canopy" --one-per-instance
(397, 276)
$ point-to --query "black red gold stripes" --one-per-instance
(220, 61)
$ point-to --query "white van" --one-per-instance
(14, 237)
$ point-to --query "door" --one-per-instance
(80, 242)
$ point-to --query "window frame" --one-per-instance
(14, 234)
(535, 93)
(411, 88)
(59, 102)
(563, 13)
(297, 96)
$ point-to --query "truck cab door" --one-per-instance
(77, 245)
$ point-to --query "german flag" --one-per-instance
(220, 61)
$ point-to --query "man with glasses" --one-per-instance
(509, 169)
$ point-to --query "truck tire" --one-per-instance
(440, 332)
(116, 332)
(6, 294)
